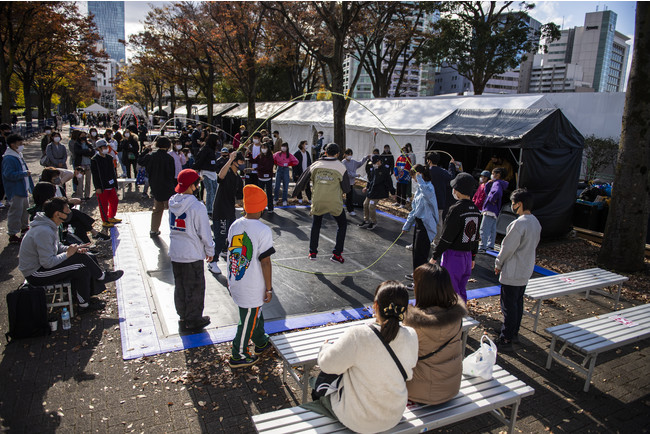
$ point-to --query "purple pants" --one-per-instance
(459, 266)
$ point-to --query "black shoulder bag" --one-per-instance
(390, 351)
(433, 353)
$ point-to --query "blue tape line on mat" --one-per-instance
(488, 291)
(540, 270)
(392, 217)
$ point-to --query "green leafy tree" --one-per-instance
(599, 153)
(482, 39)
(623, 245)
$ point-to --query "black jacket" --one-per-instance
(460, 229)
(129, 146)
(297, 170)
(440, 178)
(380, 183)
(80, 152)
(160, 169)
(388, 161)
(103, 171)
(206, 159)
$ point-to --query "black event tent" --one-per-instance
(547, 149)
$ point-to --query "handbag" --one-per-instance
(325, 384)
(45, 161)
(390, 351)
(481, 362)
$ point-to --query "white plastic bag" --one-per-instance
(481, 362)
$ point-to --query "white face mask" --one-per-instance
(264, 150)
(482, 179)
(127, 135)
(453, 193)
(256, 141)
(105, 151)
(348, 157)
(79, 176)
(320, 136)
(493, 177)
(20, 149)
(179, 147)
(57, 139)
(93, 133)
(284, 149)
(48, 131)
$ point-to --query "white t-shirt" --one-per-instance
(255, 151)
(247, 240)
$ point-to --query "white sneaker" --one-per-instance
(352, 213)
(300, 201)
(409, 247)
(284, 203)
(214, 268)
(223, 254)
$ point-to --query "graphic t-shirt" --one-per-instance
(249, 241)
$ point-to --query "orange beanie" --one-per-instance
(254, 199)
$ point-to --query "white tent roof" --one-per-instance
(131, 110)
(182, 110)
(263, 110)
(165, 108)
(96, 108)
(217, 109)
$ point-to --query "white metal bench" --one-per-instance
(476, 396)
(300, 349)
(593, 279)
(57, 295)
(123, 182)
(592, 336)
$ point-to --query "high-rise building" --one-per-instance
(591, 58)
(109, 18)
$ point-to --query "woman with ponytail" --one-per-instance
(373, 362)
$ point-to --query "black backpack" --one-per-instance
(27, 313)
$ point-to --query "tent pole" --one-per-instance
(519, 166)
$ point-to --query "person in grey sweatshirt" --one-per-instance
(515, 264)
(44, 260)
(351, 166)
(190, 242)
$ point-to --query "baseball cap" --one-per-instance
(100, 143)
(486, 173)
(225, 150)
(186, 177)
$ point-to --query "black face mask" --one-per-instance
(68, 217)
(197, 191)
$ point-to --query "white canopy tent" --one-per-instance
(166, 109)
(217, 109)
(386, 121)
(96, 108)
(131, 109)
(181, 110)
(263, 110)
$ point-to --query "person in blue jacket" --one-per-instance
(17, 180)
(424, 216)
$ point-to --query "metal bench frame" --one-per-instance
(59, 294)
(592, 336)
(593, 279)
(311, 341)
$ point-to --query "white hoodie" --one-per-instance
(190, 232)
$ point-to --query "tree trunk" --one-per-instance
(5, 88)
(172, 100)
(209, 94)
(339, 104)
(625, 233)
(252, 116)
(27, 91)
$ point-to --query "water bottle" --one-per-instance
(65, 319)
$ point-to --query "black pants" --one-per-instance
(189, 290)
(130, 164)
(267, 186)
(342, 224)
(82, 224)
(80, 269)
(307, 190)
(402, 193)
(220, 227)
(252, 178)
(349, 200)
(512, 308)
(421, 244)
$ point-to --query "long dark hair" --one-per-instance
(212, 141)
(433, 287)
(269, 153)
(392, 299)
(418, 168)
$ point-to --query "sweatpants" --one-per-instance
(17, 217)
(459, 265)
(189, 290)
(342, 223)
(250, 327)
(156, 215)
(81, 269)
(421, 244)
(370, 210)
(512, 308)
(220, 228)
(107, 203)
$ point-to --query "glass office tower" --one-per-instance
(109, 17)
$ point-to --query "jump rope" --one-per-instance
(243, 145)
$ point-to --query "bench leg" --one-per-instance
(551, 351)
(464, 340)
(536, 309)
(513, 418)
(305, 384)
(587, 294)
(592, 365)
(285, 366)
(618, 296)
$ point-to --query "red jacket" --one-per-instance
(479, 196)
(282, 160)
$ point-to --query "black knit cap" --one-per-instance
(464, 183)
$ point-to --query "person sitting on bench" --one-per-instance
(44, 260)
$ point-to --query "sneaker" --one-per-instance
(371, 226)
(409, 247)
(114, 220)
(112, 276)
(401, 206)
(409, 277)
(196, 325)
(352, 213)
(243, 363)
(213, 267)
(223, 255)
(410, 287)
(14, 239)
(312, 256)
(515, 340)
(154, 234)
(300, 201)
(284, 203)
(504, 346)
(270, 211)
(260, 350)
(481, 250)
(107, 225)
(337, 258)
(363, 224)
(101, 236)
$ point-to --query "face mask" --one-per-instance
(377, 166)
(56, 181)
(179, 147)
(264, 150)
(105, 151)
(241, 166)
(514, 210)
(482, 179)
(126, 135)
(93, 133)
(68, 217)
(80, 176)
(453, 193)
(56, 139)
(20, 148)
(493, 177)
(284, 149)
(109, 137)
(131, 124)
(320, 136)
(256, 141)
(348, 157)
(48, 131)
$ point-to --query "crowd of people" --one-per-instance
(199, 177)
